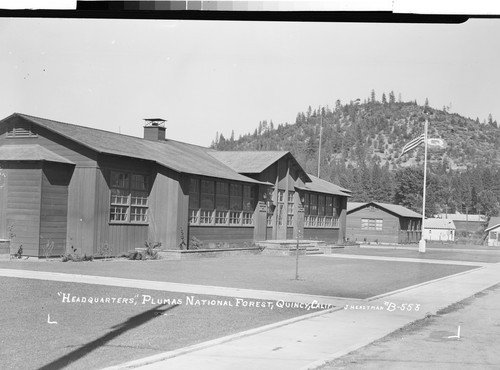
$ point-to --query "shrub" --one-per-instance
(47, 249)
(195, 243)
(76, 257)
(105, 250)
(149, 253)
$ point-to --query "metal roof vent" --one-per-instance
(155, 129)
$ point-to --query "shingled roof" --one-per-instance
(439, 223)
(253, 162)
(30, 153)
(493, 224)
(322, 186)
(194, 159)
(394, 208)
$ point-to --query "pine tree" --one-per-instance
(384, 99)
(392, 98)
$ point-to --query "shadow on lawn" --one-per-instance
(119, 329)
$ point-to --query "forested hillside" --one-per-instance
(361, 143)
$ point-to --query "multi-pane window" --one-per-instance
(248, 198)
(207, 194)
(321, 205)
(220, 203)
(269, 219)
(320, 210)
(290, 208)
(313, 206)
(194, 201)
(281, 205)
(129, 197)
(372, 224)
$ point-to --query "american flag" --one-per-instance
(413, 144)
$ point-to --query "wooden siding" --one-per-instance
(123, 238)
(223, 234)
(54, 207)
(23, 206)
(81, 232)
(388, 234)
(3, 202)
(168, 206)
(120, 238)
(327, 235)
(260, 218)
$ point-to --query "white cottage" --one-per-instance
(493, 231)
(439, 229)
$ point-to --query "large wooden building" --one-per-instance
(78, 187)
(382, 223)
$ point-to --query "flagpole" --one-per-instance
(421, 244)
(319, 149)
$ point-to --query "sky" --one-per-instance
(208, 77)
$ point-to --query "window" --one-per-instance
(493, 235)
(248, 198)
(306, 204)
(236, 193)
(290, 209)
(329, 206)
(269, 219)
(371, 224)
(313, 206)
(320, 210)
(129, 197)
(207, 194)
(321, 205)
(220, 203)
(194, 201)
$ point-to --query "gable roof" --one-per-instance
(394, 208)
(323, 186)
(354, 205)
(194, 159)
(254, 162)
(439, 223)
(248, 161)
(462, 217)
(33, 152)
(494, 223)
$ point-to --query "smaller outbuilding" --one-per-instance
(466, 224)
(382, 223)
(439, 229)
(493, 231)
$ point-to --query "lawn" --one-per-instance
(491, 256)
(349, 278)
(95, 335)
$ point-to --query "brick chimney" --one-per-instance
(154, 129)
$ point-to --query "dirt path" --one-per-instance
(430, 343)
